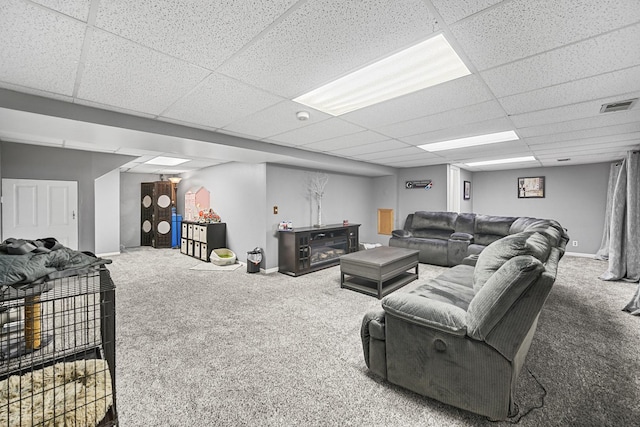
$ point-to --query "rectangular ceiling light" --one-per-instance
(426, 64)
(471, 141)
(166, 161)
(503, 161)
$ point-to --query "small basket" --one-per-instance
(222, 256)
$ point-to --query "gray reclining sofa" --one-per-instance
(447, 238)
(462, 337)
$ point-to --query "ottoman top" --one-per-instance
(379, 256)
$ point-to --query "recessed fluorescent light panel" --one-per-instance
(166, 161)
(421, 66)
(503, 161)
(471, 141)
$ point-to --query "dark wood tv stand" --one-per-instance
(307, 249)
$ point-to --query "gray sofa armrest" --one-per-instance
(402, 234)
(372, 324)
(374, 345)
(426, 312)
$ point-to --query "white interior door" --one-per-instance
(34, 209)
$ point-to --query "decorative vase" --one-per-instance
(319, 212)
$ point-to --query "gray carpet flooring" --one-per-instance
(229, 348)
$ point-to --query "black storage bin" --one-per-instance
(254, 258)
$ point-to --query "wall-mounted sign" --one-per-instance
(424, 183)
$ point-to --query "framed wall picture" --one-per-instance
(466, 190)
(531, 187)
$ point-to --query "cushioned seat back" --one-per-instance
(550, 228)
(433, 225)
(500, 293)
(503, 272)
(496, 254)
(466, 223)
(489, 228)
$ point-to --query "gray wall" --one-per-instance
(107, 220)
(466, 205)
(385, 196)
(574, 195)
(346, 197)
(238, 195)
(414, 200)
(24, 161)
(130, 202)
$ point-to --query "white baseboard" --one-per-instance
(580, 254)
(269, 270)
(108, 254)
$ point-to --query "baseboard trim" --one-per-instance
(108, 254)
(269, 270)
(580, 254)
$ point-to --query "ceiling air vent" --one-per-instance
(618, 106)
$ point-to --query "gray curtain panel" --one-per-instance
(623, 228)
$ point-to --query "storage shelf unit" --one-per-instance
(199, 239)
(308, 249)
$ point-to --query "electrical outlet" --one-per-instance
(275, 210)
(574, 243)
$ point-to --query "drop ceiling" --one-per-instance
(213, 82)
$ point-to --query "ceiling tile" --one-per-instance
(578, 146)
(486, 152)
(585, 151)
(40, 49)
(78, 9)
(202, 32)
(346, 141)
(325, 39)
(274, 120)
(604, 85)
(326, 129)
(473, 129)
(447, 119)
(443, 97)
(390, 154)
(389, 146)
(596, 121)
(520, 28)
(566, 112)
(453, 11)
(127, 75)
(591, 57)
(220, 100)
(584, 133)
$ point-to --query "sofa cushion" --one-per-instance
(437, 314)
(490, 228)
(431, 233)
(454, 286)
(500, 293)
(434, 220)
(500, 251)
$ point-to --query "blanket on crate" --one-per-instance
(27, 265)
(65, 394)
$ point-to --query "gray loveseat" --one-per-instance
(447, 238)
(462, 338)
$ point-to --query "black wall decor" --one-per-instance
(424, 183)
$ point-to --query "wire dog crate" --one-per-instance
(57, 354)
